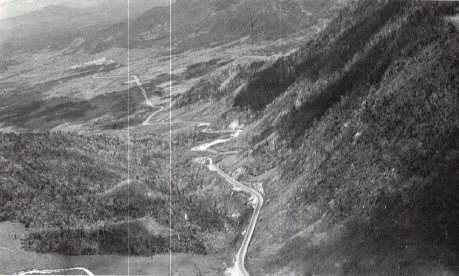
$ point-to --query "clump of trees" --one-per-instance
(367, 71)
(65, 185)
(132, 239)
(374, 143)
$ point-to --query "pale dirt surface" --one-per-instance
(14, 259)
(256, 199)
(454, 19)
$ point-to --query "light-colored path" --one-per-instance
(238, 269)
(256, 198)
(82, 269)
(57, 271)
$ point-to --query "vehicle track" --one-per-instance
(238, 269)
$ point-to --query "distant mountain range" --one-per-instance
(194, 23)
(348, 117)
(13, 8)
(56, 19)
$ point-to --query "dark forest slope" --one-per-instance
(71, 192)
(368, 146)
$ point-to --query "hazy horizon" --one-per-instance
(13, 8)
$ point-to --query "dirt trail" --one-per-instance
(59, 271)
(238, 269)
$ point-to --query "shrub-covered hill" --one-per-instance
(369, 148)
(52, 171)
(71, 192)
(361, 126)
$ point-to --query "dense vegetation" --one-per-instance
(421, 28)
(370, 144)
(122, 238)
(212, 88)
(354, 137)
(70, 190)
(266, 85)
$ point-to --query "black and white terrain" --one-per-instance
(229, 137)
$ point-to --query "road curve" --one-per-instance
(147, 102)
(54, 271)
(238, 269)
(257, 202)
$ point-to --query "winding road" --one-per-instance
(58, 271)
(256, 199)
(238, 269)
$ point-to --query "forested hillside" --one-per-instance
(368, 145)
(360, 127)
(350, 138)
(71, 191)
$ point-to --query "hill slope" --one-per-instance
(355, 137)
(369, 148)
(195, 24)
